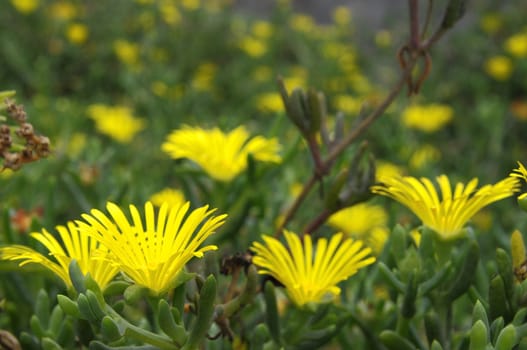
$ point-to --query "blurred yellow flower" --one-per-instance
(25, 6)
(222, 155)
(427, 118)
(253, 47)
(296, 77)
(359, 219)
(190, 4)
(491, 23)
(387, 169)
(174, 198)
(383, 38)
(447, 215)
(159, 88)
(262, 29)
(6, 173)
(169, 12)
(310, 274)
(516, 45)
(424, 156)
(153, 251)
(77, 33)
(117, 122)
(499, 67)
(270, 102)
(364, 221)
(296, 189)
(92, 257)
(342, 15)
(204, 77)
(262, 73)
(377, 238)
(126, 52)
(359, 83)
(76, 144)
(63, 10)
(302, 23)
(483, 220)
(348, 104)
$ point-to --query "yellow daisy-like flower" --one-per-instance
(365, 221)
(310, 273)
(77, 33)
(89, 254)
(126, 52)
(118, 122)
(499, 67)
(270, 102)
(446, 216)
(222, 155)
(253, 47)
(516, 45)
(25, 6)
(428, 118)
(520, 173)
(169, 195)
(153, 254)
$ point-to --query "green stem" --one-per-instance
(141, 334)
(343, 145)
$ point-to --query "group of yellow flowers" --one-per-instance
(152, 247)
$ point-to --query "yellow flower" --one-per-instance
(262, 73)
(159, 88)
(117, 122)
(77, 33)
(342, 16)
(302, 23)
(223, 156)
(63, 10)
(516, 45)
(170, 12)
(127, 52)
(296, 78)
(446, 216)
(359, 219)
(89, 254)
(427, 118)
(364, 221)
(520, 173)
(25, 6)
(174, 198)
(499, 67)
(270, 102)
(190, 4)
(204, 77)
(253, 47)
(491, 23)
(387, 169)
(262, 29)
(76, 144)
(348, 104)
(423, 156)
(383, 38)
(310, 274)
(153, 253)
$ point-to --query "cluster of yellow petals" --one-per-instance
(222, 155)
(89, 254)
(153, 253)
(446, 214)
(310, 273)
(117, 122)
